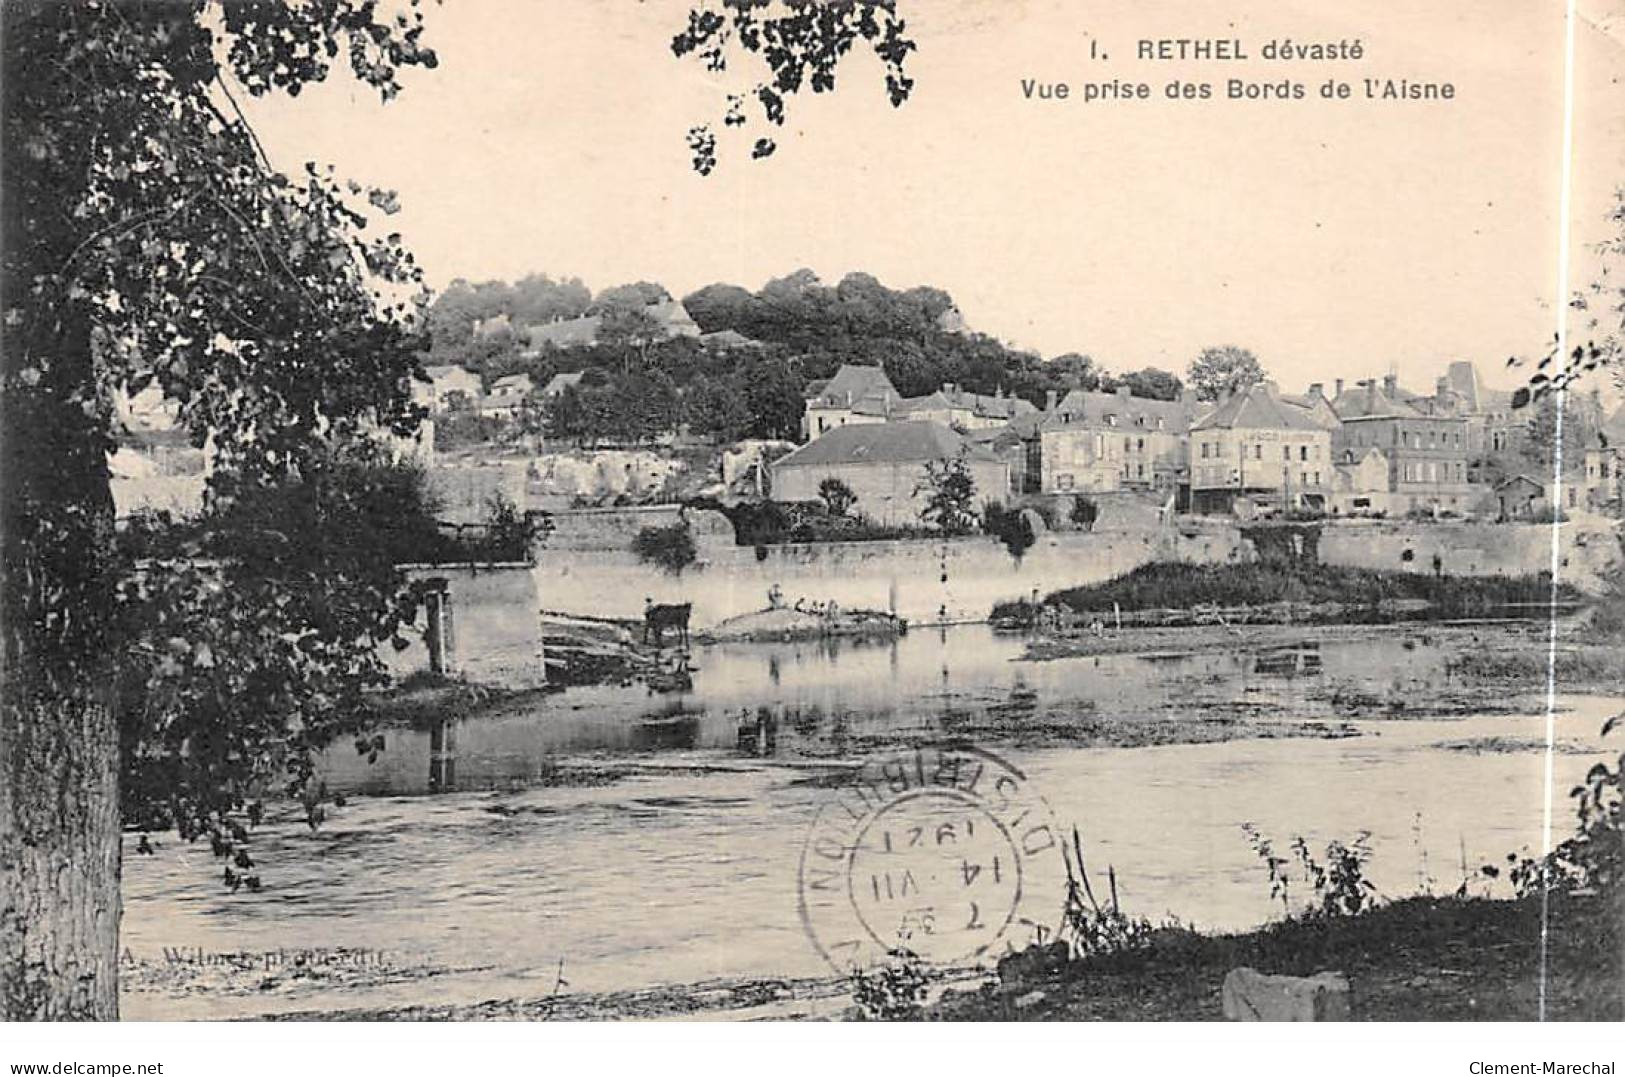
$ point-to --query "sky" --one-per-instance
(1333, 238)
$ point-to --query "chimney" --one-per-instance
(1339, 384)
(1390, 385)
(1371, 396)
(1049, 400)
(1315, 390)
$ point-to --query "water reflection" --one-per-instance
(821, 699)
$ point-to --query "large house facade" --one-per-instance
(1099, 442)
(1254, 446)
(1425, 440)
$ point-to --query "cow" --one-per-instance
(658, 618)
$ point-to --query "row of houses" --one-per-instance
(1369, 447)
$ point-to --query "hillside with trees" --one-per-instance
(637, 386)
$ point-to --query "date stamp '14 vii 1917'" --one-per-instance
(946, 852)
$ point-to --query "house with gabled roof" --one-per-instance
(884, 464)
(1094, 441)
(1254, 446)
(1360, 483)
(444, 381)
(670, 318)
(855, 395)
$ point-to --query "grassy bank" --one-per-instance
(1424, 958)
(1183, 586)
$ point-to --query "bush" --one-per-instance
(1009, 526)
(1338, 884)
(837, 496)
(1084, 512)
(893, 991)
(773, 523)
(1179, 585)
(672, 548)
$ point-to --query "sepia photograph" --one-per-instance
(810, 512)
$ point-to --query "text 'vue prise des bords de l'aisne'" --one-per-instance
(1225, 50)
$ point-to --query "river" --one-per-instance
(485, 860)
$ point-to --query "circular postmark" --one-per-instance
(947, 852)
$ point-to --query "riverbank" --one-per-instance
(1419, 959)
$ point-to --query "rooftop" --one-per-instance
(1257, 407)
(910, 442)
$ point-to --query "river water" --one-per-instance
(483, 859)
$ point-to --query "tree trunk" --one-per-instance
(59, 854)
(59, 742)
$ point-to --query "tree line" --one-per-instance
(639, 382)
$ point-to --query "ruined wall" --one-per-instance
(923, 581)
(496, 626)
(1587, 552)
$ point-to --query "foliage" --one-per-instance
(893, 990)
(1089, 927)
(1602, 303)
(1084, 512)
(150, 242)
(950, 496)
(773, 523)
(1009, 526)
(1223, 369)
(1150, 383)
(1173, 585)
(837, 496)
(1338, 885)
(1541, 445)
(252, 640)
(1593, 858)
(672, 547)
(801, 43)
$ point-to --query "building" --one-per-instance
(445, 380)
(1317, 406)
(1425, 440)
(856, 394)
(1519, 497)
(1253, 445)
(965, 411)
(670, 319)
(507, 396)
(1604, 476)
(1092, 441)
(1492, 428)
(1360, 483)
(884, 464)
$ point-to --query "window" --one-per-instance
(1258, 452)
(1317, 478)
(1303, 453)
(1204, 450)
(1286, 452)
(1139, 444)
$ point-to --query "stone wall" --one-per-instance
(1587, 552)
(588, 567)
(923, 581)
